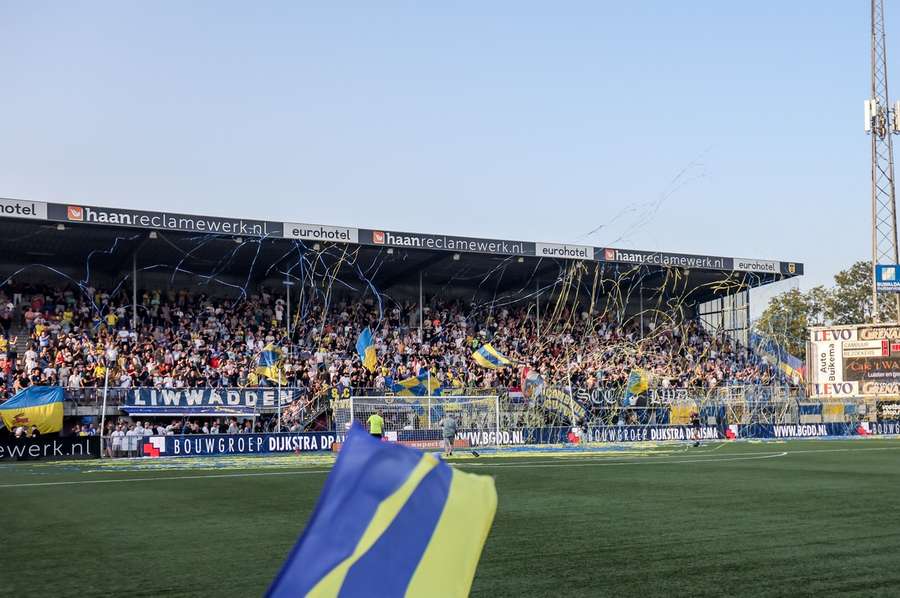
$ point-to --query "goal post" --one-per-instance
(416, 420)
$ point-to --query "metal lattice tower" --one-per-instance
(882, 121)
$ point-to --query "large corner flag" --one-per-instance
(391, 521)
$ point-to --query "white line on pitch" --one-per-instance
(637, 461)
(180, 477)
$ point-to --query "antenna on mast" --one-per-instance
(882, 121)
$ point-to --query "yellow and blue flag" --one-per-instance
(488, 357)
(789, 365)
(269, 363)
(638, 382)
(365, 346)
(40, 406)
(391, 521)
(416, 386)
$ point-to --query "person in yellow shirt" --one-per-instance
(376, 424)
(111, 319)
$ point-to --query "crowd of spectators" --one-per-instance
(188, 340)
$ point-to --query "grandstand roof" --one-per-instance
(215, 225)
(67, 234)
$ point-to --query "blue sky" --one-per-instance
(532, 120)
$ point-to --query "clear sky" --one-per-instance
(713, 127)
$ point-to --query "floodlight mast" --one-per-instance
(882, 121)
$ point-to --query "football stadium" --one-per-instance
(192, 379)
(232, 399)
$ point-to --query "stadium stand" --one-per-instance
(187, 340)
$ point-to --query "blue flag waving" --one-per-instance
(488, 357)
(391, 521)
(416, 386)
(269, 363)
(365, 347)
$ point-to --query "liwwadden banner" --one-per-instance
(238, 444)
(199, 401)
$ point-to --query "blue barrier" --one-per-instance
(248, 444)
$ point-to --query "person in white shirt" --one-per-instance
(131, 441)
(117, 437)
(74, 380)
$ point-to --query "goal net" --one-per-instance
(416, 420)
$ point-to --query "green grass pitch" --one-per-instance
(799, 518)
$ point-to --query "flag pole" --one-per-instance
(279, 400)
(105, 393)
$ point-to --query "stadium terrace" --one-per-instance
(170, 312)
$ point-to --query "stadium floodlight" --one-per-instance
(455, 257)
(521, 260)
(60, 226)
(153, 234)
(390, 251)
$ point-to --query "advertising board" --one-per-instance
(46, 448)
(859, 360)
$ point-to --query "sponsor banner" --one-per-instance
(761, 266)
(878, 369)
(320, 232)
(657, 258)
(866, 348)
(650, 433)
(885, 428)
(163, 221)
(206, 401)
(872, 333)
(835, 389)
(445, 243)
(887, 278)
(828, 359)
(880, 388)
(803, 430)
(432, 444)
(28, 449)
(569, 252)
(244, 444)
(832, 334)
(470, 437)
(20, 208)
(887, 410)
(238, 444)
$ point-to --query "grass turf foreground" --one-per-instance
(799, 518)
